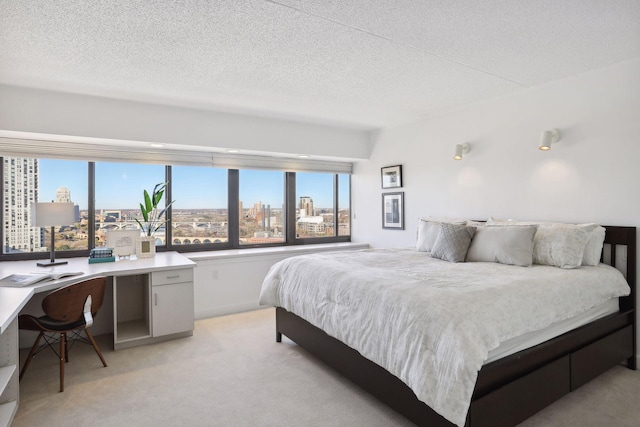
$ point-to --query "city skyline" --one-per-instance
(120, 185)
(202, 217)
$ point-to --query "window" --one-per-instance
(119, 192)
(344, 205)
(261, 207)
(315, 205)
(199, 214)
(30, 180)
(212, 208)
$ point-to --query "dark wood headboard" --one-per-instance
(622, 236)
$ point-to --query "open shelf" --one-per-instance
(131, 304)
(133, 329)
(7, 411)
(6, 372)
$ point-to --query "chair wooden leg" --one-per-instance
(30, 356)
(66, 349)
(95, 346)
(63, 340)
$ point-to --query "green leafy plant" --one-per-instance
(151, 215)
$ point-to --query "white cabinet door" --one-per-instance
(172, 308)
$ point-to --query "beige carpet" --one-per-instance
(233, 373)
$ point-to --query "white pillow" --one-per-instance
(593, 248)
(428, 229)
(561, 245)
(508, 244)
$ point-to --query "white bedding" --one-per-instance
(530, 339)
(429, 322)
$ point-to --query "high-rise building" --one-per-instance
(20, 191)
(306, 206)
(256, 210)
(63, 195)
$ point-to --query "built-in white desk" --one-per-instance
(152, 301)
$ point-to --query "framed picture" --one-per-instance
(393, 211)
(391, 176)
(145, 247)
(123, 242)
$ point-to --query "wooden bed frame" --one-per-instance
(511, 389)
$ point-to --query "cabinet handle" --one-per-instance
(155, 299)
(173, 277)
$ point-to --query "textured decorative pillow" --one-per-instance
(508, 244)
(593, 248)
(428, 229)
(561, 245)
(452, 242)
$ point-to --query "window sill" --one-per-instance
(279, 250)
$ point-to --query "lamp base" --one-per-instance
(51, 263)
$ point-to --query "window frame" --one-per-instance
(236, 241)
(233, 197)
(317, 240)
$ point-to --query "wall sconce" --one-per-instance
(547, 138)
(52, 215)
(460, 150)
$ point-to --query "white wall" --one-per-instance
(591, 175)
(57, 113)
(230, 281)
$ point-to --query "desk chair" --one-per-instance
(69, 309)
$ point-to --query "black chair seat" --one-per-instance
(47, 323)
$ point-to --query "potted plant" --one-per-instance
(152, 220)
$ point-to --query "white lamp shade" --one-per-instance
(53, 214)
(547, 138)
(460, 150)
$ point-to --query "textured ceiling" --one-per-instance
(361, 63)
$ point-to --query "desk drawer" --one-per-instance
(171, 276)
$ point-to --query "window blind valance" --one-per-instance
(38, 148)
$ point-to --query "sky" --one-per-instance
(121, 185)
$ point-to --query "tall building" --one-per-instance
(306, 206)
(20, 191)
(63, 195)
(256, 210)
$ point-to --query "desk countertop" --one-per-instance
(12, 300)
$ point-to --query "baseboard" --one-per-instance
(228, 309)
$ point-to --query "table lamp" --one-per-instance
(52, 215)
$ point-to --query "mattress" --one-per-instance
(533, 338)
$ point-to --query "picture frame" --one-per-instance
(393, 211)
(145, 247)
(391, 176)
(123, 242)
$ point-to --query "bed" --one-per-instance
(508, 390)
